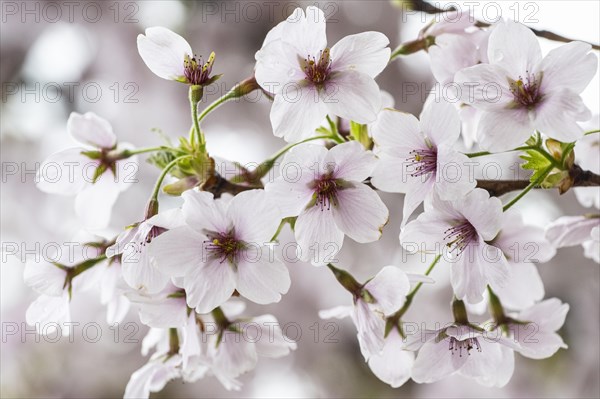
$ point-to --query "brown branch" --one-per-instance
(217, 185)
(423, 6)
(579, 178)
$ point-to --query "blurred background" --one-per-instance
(82, 56)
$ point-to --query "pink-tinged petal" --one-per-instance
(435, 362)
(514, 47)
(233, 356)
(482, 211)
(568, 231)
(273, 343)
(201, 212)
(485, 86)
(47, 313)
(276, 67)
(44, 277)
(454, 177)
(570, 66)
(371, 328)
(262, 280)
(306, 32)
(63, 172)
(449, 22)
(160, 312)
(397, 133)
(366, 52)
(439, 121)
(548, 315)
(139, 270)
(524, 287)
(390, 174)
(168, 219)
(209, 285)
(297, 111)
(338, 312)
(483, 365)
(352, 95)
(389, 287)
(164, 52)
(557, 115)
(291, 197)
(504, 130)
(350, 161)
(591, 248)
(152, 377)
(503, 372)
(536, 344)
(450, 54)
(426, 233)
(177, 251)
(417, 189)
(93, 205)
(254, 215)
(304, 163)
(393, 365)
(92, 130)
(319, 238)
(360, 213)
(522, 243)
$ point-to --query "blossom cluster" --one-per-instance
(193, 266)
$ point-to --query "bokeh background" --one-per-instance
(82, 56)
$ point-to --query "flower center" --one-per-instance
(223, 246)
(422, 161)
(317, 69)
(197, 72)
(467, 344)
(526, 92)
(154, 232)
(459, 236)
(326, 189)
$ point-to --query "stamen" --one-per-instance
(197, 72)
(526, 92)
(422, 161)
(223, 246)
(326, 192)
(467, 344)
(317, 70)
(460, 236)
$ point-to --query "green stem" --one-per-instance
(346, 280)
(496, 307)
(128, 153)
(290, 146)
(412, 294)
(224, 98)
(163, 174)
(484, 153)
(335, 134)
(173, 342)
(410, 47)
(591, 132)
(531, 185)
(199, 134)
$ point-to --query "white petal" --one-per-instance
(201, 212)
(426, 233)
(435, 362)
(453, 176)
(548, 315)
(318, 237)
(570, 66)
(209, 285)
(352, 95)
(360, 213)
(568, 231)
(351, 161)
(514, 47)
(93, 205)
(177, 251)
(393, 365)
(254, 216)
(291, 196)
(338, 312)
(504, 130)
(439, 121)
(485, 86)
(63, 172)
(163, 51)
(397, 133)
(523, 288)
(92, 130)
(371, 327)
(366, 52)
(482, 211)
(49, 313)
(44, 277)
(262, 280)
(557, 115)
(389, 287)
(306, 33)
(296, 112)
(390, 174)
(272, 343)
(417, 189)
(161, 312)
(139, 271)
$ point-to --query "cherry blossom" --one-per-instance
(417, 157)
(460, 230)
(568, 231)
(519, 91)
(95, 172)
(324, 190)
(222, 247)
(311, 80)
(170, 57)
(586, 156)
(380, 297)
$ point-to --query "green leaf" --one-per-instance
(536, 162)
(360, 133)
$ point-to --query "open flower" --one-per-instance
(459, 230)
(170, 57)
(222, 248)
(139, 268)
(568, 231)
(96, 172)
(417, 157)
(519, 91)
(311, 80)
(325, 190)
(379, 298)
